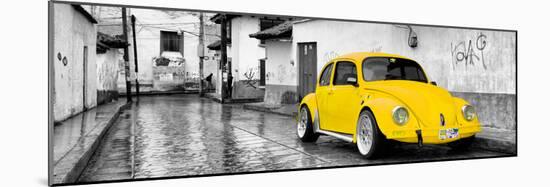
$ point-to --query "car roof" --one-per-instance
(360, 56)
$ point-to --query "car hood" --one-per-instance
(425, 101)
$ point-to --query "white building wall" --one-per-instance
(149, 24)
(245, 55)
(246, 51)
(73, 31)
(279, 68)
(493, 63)
(107, 75)
(107, 69)
(486, 78)
(280, 73)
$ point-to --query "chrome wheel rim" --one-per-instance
(301, 127)
(364, 134)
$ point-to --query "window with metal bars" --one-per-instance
(171, 41)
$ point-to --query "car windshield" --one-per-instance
(384, 68)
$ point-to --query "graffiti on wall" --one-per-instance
(330, 55)
(376, 49)
(268, 75)
(168, 69)
(107, 73)
(249, 79)
(164, 61)
(282, 72)
(469, 52)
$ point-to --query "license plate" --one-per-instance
(448, 133)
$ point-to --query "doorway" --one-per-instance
(262, 72)
(307, 68)
(85, 76)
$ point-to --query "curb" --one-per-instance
(155, 93)
(76, 169)
(485, 143)
(215, 99)
(495, 145)
(263, 109)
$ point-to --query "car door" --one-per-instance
(322, 93)
(344, 100)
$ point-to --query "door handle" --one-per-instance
(330, 92)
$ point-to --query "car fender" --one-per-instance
(310, 100)
(381, 106)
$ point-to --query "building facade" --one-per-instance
(477, 65)
(109, 52)
(166, 44)
(74, 66)
(246, 55)
(280, 70)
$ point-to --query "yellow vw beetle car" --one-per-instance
(370, 98)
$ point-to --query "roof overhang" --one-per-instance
(218, 17)
(281, 31)
(111, 41)
(217, 45)
(86, 14)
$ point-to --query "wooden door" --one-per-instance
(262, 72)
(307, 68)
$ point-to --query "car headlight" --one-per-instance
(468, 112)
(400, 115)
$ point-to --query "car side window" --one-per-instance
(325, 76)
(344, 70)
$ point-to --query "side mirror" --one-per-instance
(433, 83)
(352, 81)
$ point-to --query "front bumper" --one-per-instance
(431, 135)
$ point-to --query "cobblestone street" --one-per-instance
(180, 135)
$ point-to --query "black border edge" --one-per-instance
(517, 98)
(50, 73)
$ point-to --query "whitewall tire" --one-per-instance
(304, 127)
(368, 137)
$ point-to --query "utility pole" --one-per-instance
(126, 61)
(223, 51)
(201, 55)
(135, 53)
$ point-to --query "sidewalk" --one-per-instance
(500, 140)
(290, 110)
(493, 139)
(75, 139)
(217, 98)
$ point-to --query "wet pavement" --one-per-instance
(69, 133)
(181, 135)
